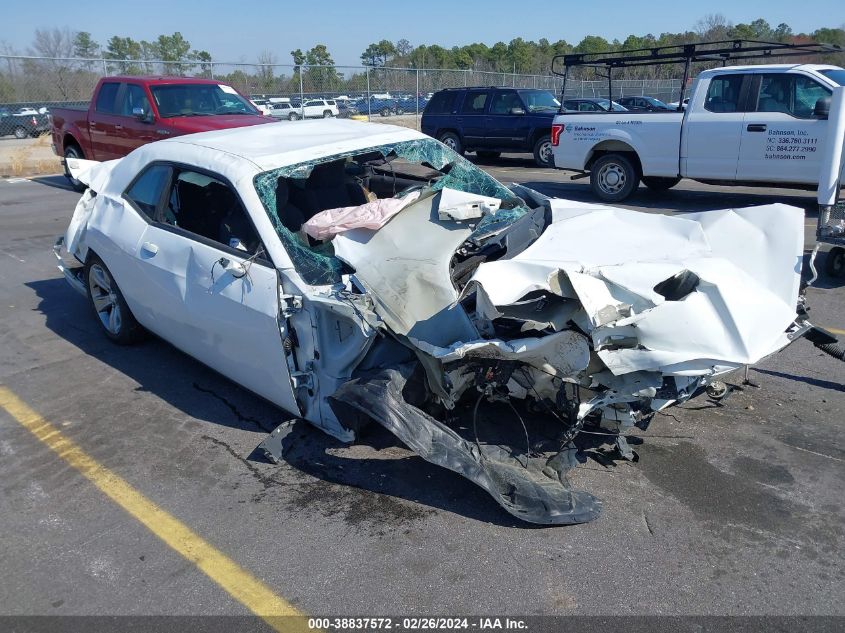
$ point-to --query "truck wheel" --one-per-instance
(293, 116)
(543, 155)
(613, 177)
(20, 132)
(451, 140)
(327, 114)
(834, 264)
(109, 305)
(657, 183)
(72, 151)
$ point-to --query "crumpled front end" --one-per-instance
(497, 323)
(588, 315)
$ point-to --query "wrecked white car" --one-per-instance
(350, 272)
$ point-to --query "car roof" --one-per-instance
(762, 68)
(162, 79)
(277, 144)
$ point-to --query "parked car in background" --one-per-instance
(644, 104)
(676, 104)
(318, 108)
(23, 125)
(489, 121)
(592, 105)
(346, 109)
(127, 112)
(754, 125)
(284, 111)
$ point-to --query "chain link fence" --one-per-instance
(43, 82)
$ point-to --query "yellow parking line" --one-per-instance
(833, 330)
(237, 582)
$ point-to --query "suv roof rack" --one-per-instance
(686, 54)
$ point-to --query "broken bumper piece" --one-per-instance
(533, 490)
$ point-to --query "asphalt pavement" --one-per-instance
(732, 508)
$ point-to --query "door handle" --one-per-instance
(149, 247)
(756, 127)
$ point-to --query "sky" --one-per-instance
(237, 31)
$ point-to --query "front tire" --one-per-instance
(834, 264)
(108, 304)
(613, 177)
(657, 183)
(451, 140)
(327, 114)
(543, 155)
(293, 116)
(72, 151)
(20, 133)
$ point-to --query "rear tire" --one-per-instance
(451, 140)
(834, 264)
(658, 183)
(293, 116)
(327, 114)
(543, 155)
(613, 177)
(72, 151)
(108, 304)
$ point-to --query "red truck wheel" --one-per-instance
(72, 151)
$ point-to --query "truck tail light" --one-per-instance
(34, 121)
(557, 129)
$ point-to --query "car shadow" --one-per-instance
(379, 464)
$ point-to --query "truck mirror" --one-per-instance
(139, 114)
(822, 109)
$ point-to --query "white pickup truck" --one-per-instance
(750, 125)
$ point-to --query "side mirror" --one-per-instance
(517, 111)
(144, 117)
(822, 109)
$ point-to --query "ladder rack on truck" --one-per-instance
(721, 51)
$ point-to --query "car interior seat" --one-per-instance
(327, 187)
(774, 99)
(289, 214)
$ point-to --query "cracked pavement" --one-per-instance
(732, 508)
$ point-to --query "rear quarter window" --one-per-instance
(106, 97)
(442, 103)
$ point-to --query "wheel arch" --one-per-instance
(613, 146)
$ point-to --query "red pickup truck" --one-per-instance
(127, 112)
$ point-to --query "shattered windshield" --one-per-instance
(293, 194)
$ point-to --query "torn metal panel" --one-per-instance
(405, 266)
(534, 493)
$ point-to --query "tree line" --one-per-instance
(315, 69)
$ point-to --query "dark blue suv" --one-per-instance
(489, 121)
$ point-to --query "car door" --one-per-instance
(204, 284)
(781, 137)
(503, 129)
(102, 120)
(134, 131)
(471, 120)
(712, 131)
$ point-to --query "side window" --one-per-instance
(134, 97)
(441, 103)
(504, 101)
(209, 208)
(474, 102)
(723, 93)
(807, 93)
(106, 97)
(146, 191)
